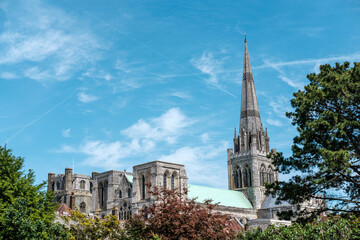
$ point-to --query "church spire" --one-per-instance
(250, 115)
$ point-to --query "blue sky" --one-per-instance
(112, 84)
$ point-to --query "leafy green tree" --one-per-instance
(25, 211)
(326, 152)
(82, 227)
(336, 228)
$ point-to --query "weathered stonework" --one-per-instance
(122, 193)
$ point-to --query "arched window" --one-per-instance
(82, 184)
(236, 176)
(91, 186)
(57, 185)
(165, 181)
(173, 182)
(121, 215)
(263, 175)
(247, 176)
(83, 207)
(120, 194)
(143, 187)
(270, 175)
(246, 184)
(129, 192)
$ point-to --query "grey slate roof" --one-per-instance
(269, 202)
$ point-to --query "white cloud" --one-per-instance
(201, 163)
(207, 64)
(181, 95)
(280, 105)
(8, 75)
(274, 122)
(141, 138)
(86, 98)
(205, 137)
(168, 127)
(66, 133)
(283, 77)
(50, 43)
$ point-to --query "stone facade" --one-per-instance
(72, 189)
(248, 167)
(122, 193)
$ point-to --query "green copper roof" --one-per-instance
(224, 197)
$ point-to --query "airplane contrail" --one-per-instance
(38, 118)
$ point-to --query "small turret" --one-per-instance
(68, 179)
(51, 177)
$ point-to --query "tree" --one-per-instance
(175, 217)
(326, 152)
(335, 228)
(25, 211)
(83, 227)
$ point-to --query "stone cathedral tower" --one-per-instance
(248, 167)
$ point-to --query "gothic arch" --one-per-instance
(166, 178)
(263, 175)
(124, 210)
(238, 177)
(101, 195)
(271, 175)
(174, 180)
(247, 176)
(83, 207)
(82, 184)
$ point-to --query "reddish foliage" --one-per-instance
(175, 217)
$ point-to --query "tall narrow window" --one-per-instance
(240, 179)
(172, 182)
(129, 192)
(82, 184)
(165, 181)
(83, 207)
(100, 193)
(120, 194)
(236, 179)
(249, 175)
(143, 187)
(105, 194)
(246, 178)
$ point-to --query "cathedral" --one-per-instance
(123, 193)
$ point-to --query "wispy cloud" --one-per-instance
(207, 64)
(86, 98)
(269, 64)
(181, 95)
(66, 133)
(283, 77)
(274, 122)
(49, 43)
(8, 75)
